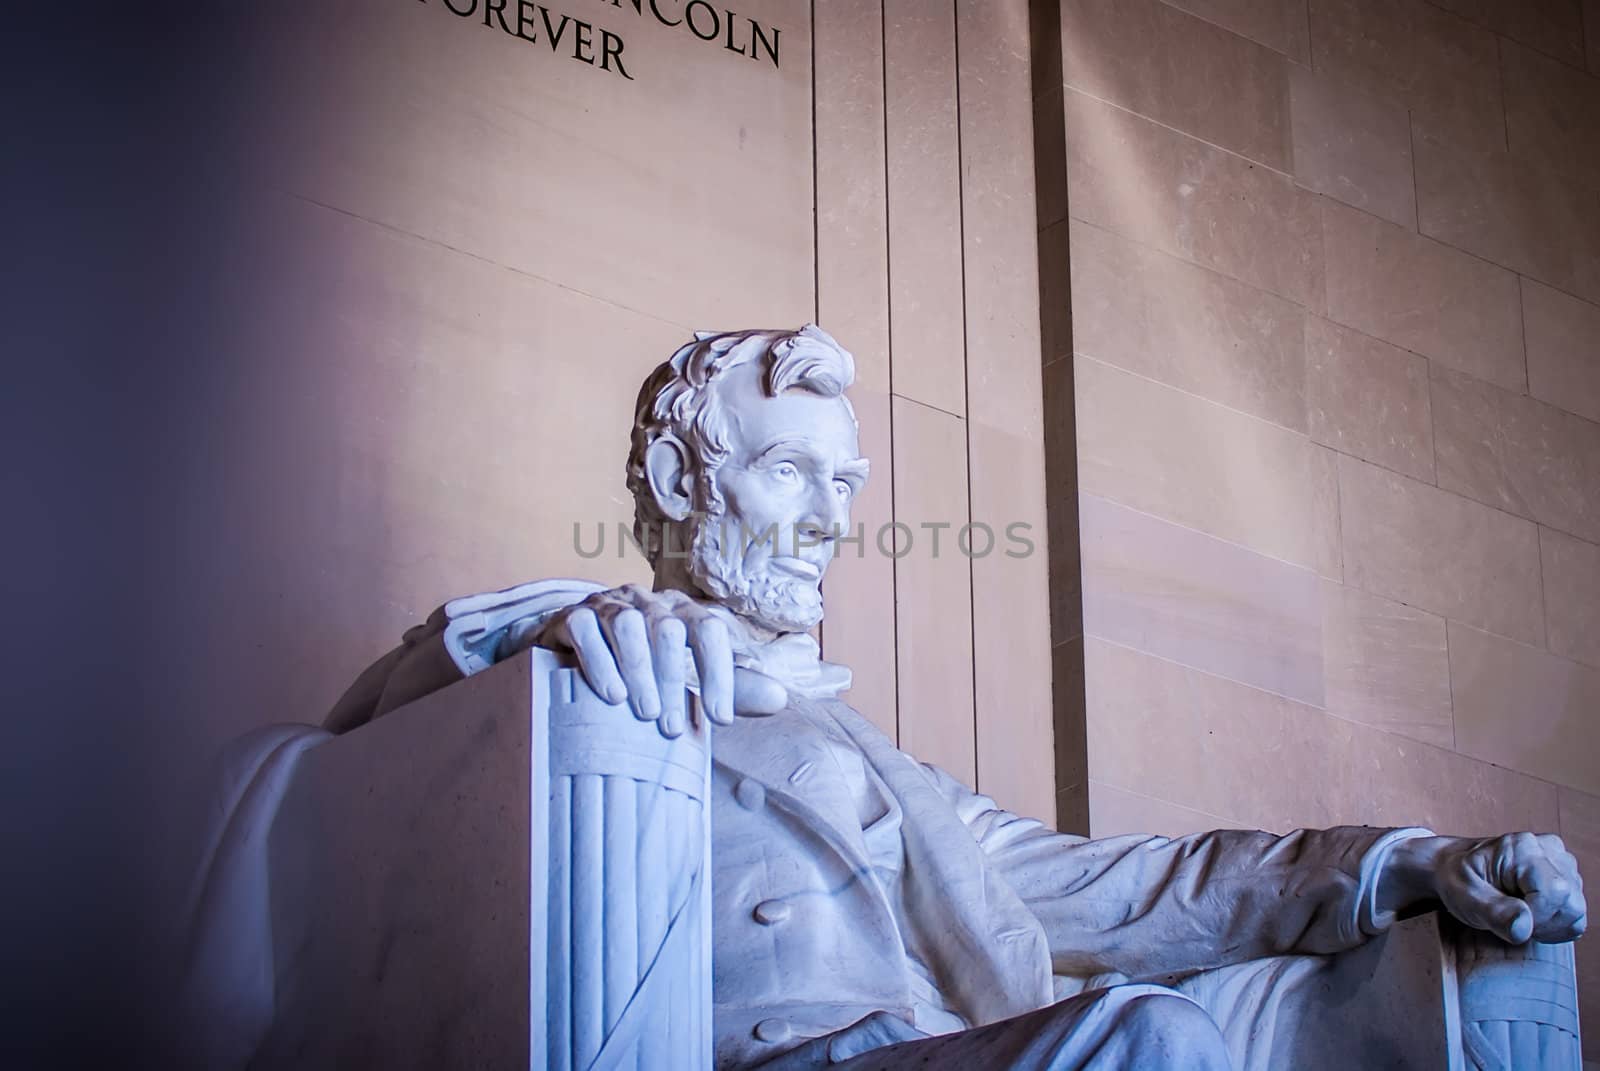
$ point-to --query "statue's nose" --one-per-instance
(824, 522)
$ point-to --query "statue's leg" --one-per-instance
(1129, 1026)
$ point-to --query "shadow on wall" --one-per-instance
(127, 259)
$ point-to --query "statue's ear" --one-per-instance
(666, 465)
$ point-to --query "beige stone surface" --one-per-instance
(1181, 71)
(1536, 220)
(1352, 144)
(435, 126)
(1386, 665)
(1517, 454)
(852, 200)
(1571, 570)
(1115, 811)
(1552, 112)
(1525, 708)
(1442, 66)
(1278, 24)
(1563, 335)
(387, 446)
(1181, 195)
(1220, 747)
(1196, 463)
(853, 304)
(1424, 296)
(1011, 634)
(1554, 27)
(1190, 598)
(1005, 410)
(1000, 248)
(933, 594)
(1183, 325)
(1368, 398)
(1326, 535)
(924, 179)
(859, 592)
(1439, 552)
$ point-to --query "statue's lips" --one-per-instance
(797, 567)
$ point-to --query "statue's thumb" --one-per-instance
(1484, 907)
(1515, 922)
(756, 694)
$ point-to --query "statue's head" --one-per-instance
(743, 466)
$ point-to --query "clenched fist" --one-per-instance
(1519, 887)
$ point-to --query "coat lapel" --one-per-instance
(782, 763)
(989, 950)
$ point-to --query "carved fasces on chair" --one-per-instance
(1519, 1003)
(628, 978)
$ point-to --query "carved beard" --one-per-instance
(772, 600)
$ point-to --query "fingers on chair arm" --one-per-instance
(670, 647)
(581, 630)
(713, 658)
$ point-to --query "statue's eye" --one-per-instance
(843, 489)
(785, 470)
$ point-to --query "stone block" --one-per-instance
(1368, 398)
(1554, 27)
(1439, 552)
(1492, 203)
(1181, 71)
(1353, 144)
(1206, 741)
(1198, 464)
(933, 588)
(1193, 599)
(1552, 113)
(922, 143)
(1524, 708)
(1571, 569)
(1180, 195)
(1423, 296)
(1115, 812)
(1182, 325)
(1517, 453)
(1563, 349)
(1386, 665)
(1279, 24)
(1443, 67)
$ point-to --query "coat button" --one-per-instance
(768, 912)
(750, 794)
(773, 1030)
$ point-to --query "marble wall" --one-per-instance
(1321, 302)
(332, 312)
(448, 254)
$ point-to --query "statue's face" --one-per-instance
(794, 465)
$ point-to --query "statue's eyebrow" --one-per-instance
(792, 442)
(860, 467)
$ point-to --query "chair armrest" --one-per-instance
(1517, 1005)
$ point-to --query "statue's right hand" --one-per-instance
(637, 645)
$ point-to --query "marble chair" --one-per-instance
(504, 874)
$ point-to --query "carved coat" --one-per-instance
(851, 878)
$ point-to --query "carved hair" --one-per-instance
(679, 402)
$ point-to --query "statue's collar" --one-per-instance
(795, 661)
